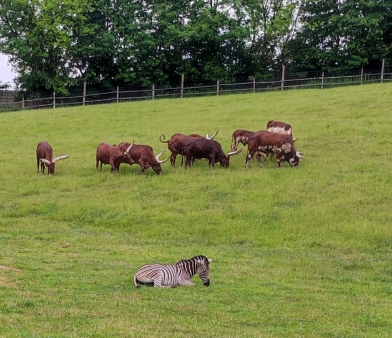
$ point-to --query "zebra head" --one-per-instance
(203, 268)
(198, 265)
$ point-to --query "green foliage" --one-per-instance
(57, 45)
(297, 252)
(341, 35)
(38, 35)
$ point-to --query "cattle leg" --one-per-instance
(258, 156)
(278, 159)
(173, 160)
(248, 158)
(188, 161)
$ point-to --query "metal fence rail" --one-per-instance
(127, 93)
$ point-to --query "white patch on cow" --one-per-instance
(280, 130)
(286, 147)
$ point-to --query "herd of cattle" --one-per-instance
(277, 140)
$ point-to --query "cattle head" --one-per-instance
(126, 155)
(156, 165)
(294, 161)
(224, 161)
(51, 165)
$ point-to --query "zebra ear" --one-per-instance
(210, 260)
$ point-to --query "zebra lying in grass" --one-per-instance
(170, 275)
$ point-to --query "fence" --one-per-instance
(282, 82)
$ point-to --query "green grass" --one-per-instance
(302, 252)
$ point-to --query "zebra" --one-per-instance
(170, 275)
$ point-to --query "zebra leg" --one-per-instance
(186, 282)
(158, 284)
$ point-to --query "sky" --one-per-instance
(6, 74)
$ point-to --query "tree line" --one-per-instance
(55, 45)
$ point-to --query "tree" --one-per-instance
(38, 36)
(270, 24)
(341, 34)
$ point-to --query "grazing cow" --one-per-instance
(265, 142)
(44, 157)
(177, 141)
(240, 136)
(209, 149)
(281, 128)
(110, 154)
(144, 156)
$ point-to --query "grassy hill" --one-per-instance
(303, 252)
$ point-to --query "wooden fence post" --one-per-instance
(153, 91)
(282, 85)
(322, 80)
(254, 85)
(23, 105)
(361, 75)
(118, 94)
(54, 100)
(382, 70)
(182, 85)
(84, 93)
(217, 87)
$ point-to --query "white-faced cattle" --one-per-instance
(144, 156)
(45, 157)
(209, 149)
(240, 136)
(264, 142)
(110, 154)
(177, 141)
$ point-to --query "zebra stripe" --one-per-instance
(170, 275)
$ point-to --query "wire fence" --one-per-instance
(282, 81)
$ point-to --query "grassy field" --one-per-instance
(303, 252)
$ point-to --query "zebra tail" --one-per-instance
(136, 282)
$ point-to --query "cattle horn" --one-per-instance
(44, 160)
(164, 139)
(157, 157)
(295, 139)
(299, 154)
(129, 148)
(58, 158)
(232, 153)
(208, 137)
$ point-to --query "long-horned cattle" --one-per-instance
(144, 156)
(240, 136)
(209, 149)
(177, 141)
(110, 154)
(45, 157)
(265, 142)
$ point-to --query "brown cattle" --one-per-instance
(199, 148)
(282, 145)
(110, 154)
(240, 136)
(144, 156)
(177, 141)
(44, 157)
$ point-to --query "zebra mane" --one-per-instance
(198, 259)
